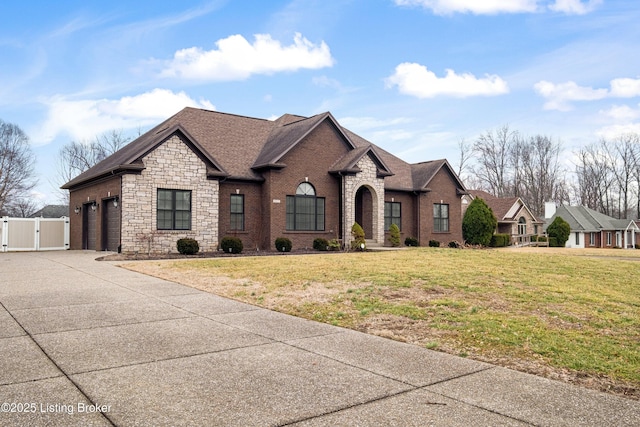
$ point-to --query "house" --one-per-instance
(205, 175)
(591, 229)
(51, 211)
(513, 215)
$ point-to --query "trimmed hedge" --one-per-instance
(500, 240)
(358, 237)
(434, 244)
(283, 244)
(320, 244)
(187, 246)
(231, 244)
(411, 241)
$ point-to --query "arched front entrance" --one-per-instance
(364, 211)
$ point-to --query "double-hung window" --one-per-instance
(440, 218)
(174, 210)
(305, 211)
(392, 215)
(237, 212)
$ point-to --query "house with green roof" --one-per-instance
(592, 229)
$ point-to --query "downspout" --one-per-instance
(341, 225)
(417, 220)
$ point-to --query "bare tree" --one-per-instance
(539, 172)
(494, 155)
(595, 178)
(622, 159)
(23, 207)
(76, 157)
(17, 161)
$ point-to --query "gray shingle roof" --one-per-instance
(581, 218)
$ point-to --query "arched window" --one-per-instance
(305, 211)
(522, 226)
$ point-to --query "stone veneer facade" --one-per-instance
(368, 177)
(172, 165)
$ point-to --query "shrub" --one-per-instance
(334, 245)
(534, 238)
(455, 245)
(188, 246)
(542, 238)
(478, 223)
(231, 244)
(394, 235)
(434, 244)
(358, 236)
(283, 244)
(500, 240)
(560, 229)
(320, 244)
(637, 245)
(553, 242)
(411, 241)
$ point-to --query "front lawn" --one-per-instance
(572, 315)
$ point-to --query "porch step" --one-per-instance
(371, 243)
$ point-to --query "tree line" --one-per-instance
(603, 176)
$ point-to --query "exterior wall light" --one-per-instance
(94, 206)
(77, 209)
(115, 202)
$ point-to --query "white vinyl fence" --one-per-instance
(34, 234)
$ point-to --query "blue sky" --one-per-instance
(412, 76)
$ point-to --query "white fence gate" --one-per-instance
(34, 234)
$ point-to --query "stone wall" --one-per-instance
(172, 165)
(367, 177)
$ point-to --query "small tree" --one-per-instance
(394, 235)
(478, 223)
(560, 230)
(358, 236)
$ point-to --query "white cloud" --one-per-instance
(416, 80)
(84, 119)
(574, 7)
(494, 7)
(237, 59)
(623, 119)
(559, 96)
(621, 113)
(478, 7)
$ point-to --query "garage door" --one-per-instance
(111, 227)
(90, 228)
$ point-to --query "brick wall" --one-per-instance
(408, 219)
(170, 166)
(251, 236)
(82, 198)
(443, 190)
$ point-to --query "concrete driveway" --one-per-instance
(87, 343)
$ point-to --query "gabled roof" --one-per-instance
(506, 209)
(349, 162)
(287, 133)
(238, 147)
(423, 173)
(581, 218)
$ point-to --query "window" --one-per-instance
(522, 226)
(440, 217)
(577, 238)
(592, 239)
(174, 210)
(305, 211)
(392, 215)
(237, 212)
(608, 238)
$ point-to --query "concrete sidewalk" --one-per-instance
(88, 343)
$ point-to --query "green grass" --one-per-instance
(575, 310)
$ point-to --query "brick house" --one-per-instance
(205, 175)
(513, 215)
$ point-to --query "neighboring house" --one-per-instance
(591, 229)
(205, 175)
(51, 211)
(513, 215)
